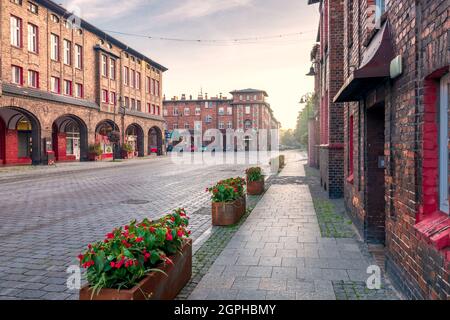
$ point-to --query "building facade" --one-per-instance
(330, 72)
(246, 110)
(66, 85)
(396, 97)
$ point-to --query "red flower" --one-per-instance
(140, 239)
(80, 257)
(110, 236)
(169, 237)
(180, 233)
(89, 246)
(152, 229)
(112, 264)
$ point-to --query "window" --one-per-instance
(138, 105)
(67, 52)
(32, 38)
(241, 97)
(133, 104)
(16, 31)
(157, 88)
(112, 98)
(153, 87)
(221, 125)
(54, 18)
(138, 80)
(126, 76)
(18, 2)
(112, 69)
(208, 119)
(158, 110)
(351, 149)
(230, 125)
(105, 98)
(79, 90)
(255, 97)
(248, 124)
(133, 79)
(148, 84)
(165, 113)
(443, 145)
(187, 112)
(175, 111)
(33, 79)
(153, 109)
(54, 47)
(78, 56)
(127, 102)
(186, 125)
(55, 85)
(149, 108)
(380, 9)
(221, 111)
(175, 126)
(197, 111)
(247, 110)
(33, 8)
(248, 98)
(104, 65)
(230, 111)
(67, 88)
(17, 75)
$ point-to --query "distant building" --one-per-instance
(246, 110)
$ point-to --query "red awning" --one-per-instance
(375, 67)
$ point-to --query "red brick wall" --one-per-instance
(417, 260)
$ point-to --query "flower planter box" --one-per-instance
(228, 213)
(94, 157)
(156, 286)
(255, 188)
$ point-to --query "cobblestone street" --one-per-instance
(47, 218)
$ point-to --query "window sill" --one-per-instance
(435, 229)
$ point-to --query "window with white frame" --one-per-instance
(221, 111)
(16, 31)
(112, 69)
(230, 125)
(32, 38)
(55, 86)
(54, 47)
(79, 90)
(67, 87)
(247, 109)
(105, 96)
(104, 65)
(67, 52)
(133, 78)
(186, 125)
(138, 80)
(198, 111)
(187, 111)
(175, 111)
(230, 111)
(221, 125)
(126, 76)
(33, 79)
(33, 8)
(17, 75)
(112, 98)
(78, 56)
(380, 9)
(444, 144)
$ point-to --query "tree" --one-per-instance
(301, 130)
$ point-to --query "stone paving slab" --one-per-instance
(279, 252)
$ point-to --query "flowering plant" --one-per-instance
(254, 174)
(128, 254)
(227, 190)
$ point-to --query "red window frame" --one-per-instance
(37, 79)
(37, 39)
(20, 32)
(21, 80)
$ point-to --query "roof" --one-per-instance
(44, 95)
(375, 68)
(87, 26)
(249, 91)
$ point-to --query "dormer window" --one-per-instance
(33, 8)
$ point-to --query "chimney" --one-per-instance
(183, 97)
(190, 97)
(220, 96)
(206, 96)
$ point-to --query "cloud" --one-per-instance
(103, 9)
(191, 9)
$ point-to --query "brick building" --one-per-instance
(65, 86)
(396, 73)
(245, 110)
(330, 72)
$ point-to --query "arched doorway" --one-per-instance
(20, 136)
(134, 136)
(155, 141)
(70, 139)
(107, 134)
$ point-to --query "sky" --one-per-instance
(277, 66)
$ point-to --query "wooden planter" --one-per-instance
(156, 286)
(228, 213)
(255, 188)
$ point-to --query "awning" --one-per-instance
(374, 69)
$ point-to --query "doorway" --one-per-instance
(375, 173)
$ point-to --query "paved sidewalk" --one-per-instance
(279, 253)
